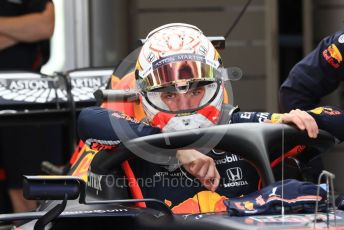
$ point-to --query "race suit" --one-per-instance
(315, 76)
(175, 186)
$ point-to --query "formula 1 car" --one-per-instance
(81, 199)
(111, 207)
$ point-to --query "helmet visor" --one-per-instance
(190, 98)
(174, 70)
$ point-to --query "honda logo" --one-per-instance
(234, 174)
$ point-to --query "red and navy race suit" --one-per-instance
(237, 176)
(315, 76)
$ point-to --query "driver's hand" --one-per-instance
(302, 120)
(200, 166)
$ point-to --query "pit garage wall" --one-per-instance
(108, 30)
(252, 45)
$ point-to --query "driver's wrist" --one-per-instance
(185, 156)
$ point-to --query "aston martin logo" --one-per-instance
(28, 84)
(83, 88)
(38, 90)
(28, 90)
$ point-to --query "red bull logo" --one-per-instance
(202, 202)
(333, 56)
(331, 112)
(328, 111)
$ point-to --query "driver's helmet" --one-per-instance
(177, 75)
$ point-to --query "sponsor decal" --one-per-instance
(260, 200)
(27, 90)
(234, 174)
(235, 184)
(168, 173)
(235, 177)
(94, 211)
(124, 116)
(273, 193)
(83, 87)
(248, 205)
(183, 57)
(29, 84)
(41, 90)
(328, 111)
(341, 38)
(262, 117)
(333, 56)
(94, 181)
(292, 218)
(252, 207)
(177, 57)
(93, 83)
(331, 112)
(227, 159)
(246, 115)
(176, 174)
(160, 174)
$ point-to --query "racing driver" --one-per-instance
(181, 87)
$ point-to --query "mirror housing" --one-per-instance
(53, 187)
